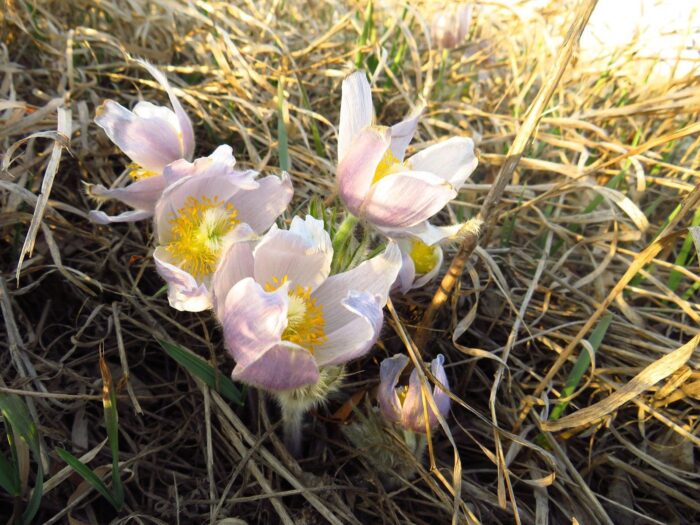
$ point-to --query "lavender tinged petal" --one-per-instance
(452, 160)
(356, 110)
(261, 206)
(184, 292)
(142, 194)
(389, 372)
(280, 367)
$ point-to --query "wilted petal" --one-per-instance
(281, 367)
(260, 207)
(357, 168)
(389, 372)
(142, 194)
(253, 320)
(374, 276)
(184, 292)
(356, 110)
(405, 199)
(302, 254)
(152, 142)
(235, 265)
(100, 217)
(402, 132)
(187, 133)
(452, 160)
(358, 335)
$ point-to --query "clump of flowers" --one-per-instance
(294, 307)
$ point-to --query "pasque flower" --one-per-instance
(152, 137)
(376, 183)
(206, 206)
(404, 405)
(284, 317)
(450, 25)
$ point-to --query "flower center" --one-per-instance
(401, 393)
(424, 257)
(138, 173)
(198, 230)
(305, 321)
(388, 166)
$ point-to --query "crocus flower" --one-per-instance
(376, 183)
(404, 405)
(421, 254)
(450, 25)
(206, 206)
(284, 317)
(152, 137)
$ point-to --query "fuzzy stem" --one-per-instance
(292, 421)
(344, 231)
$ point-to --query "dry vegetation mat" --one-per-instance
(568, 321)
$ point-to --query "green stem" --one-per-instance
(344, 231)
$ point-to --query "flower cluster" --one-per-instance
(291, 316)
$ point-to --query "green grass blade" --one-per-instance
(675, 277)
(365, 35)
(9, 478)
(581, 365)
(198, 367)
(283, 144)
(109, 403)
(35, 500)
(16, 414)
(88, 475)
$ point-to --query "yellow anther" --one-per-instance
(388, 165)
(136, 172)
(424, 257)
(198, 230)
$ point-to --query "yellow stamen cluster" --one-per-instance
(401, 393)
(388, 166)
(198, 230)
(424, 257)
(305, 322)
(137, 173)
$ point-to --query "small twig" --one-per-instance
(522, 139)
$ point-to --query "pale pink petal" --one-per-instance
(220, 163)
(260, 207)
(152, 143)
(389, 372)
(413, 416)
(283, 366)
(235, 265)
(442, 399)
(141, 194)
(374, 276)
(402, 132)
(426, 232)
(356, 111)
(100, 217)
(253, 319)
(358, 335)
(185, 124)
(452, 160)
(357, 169)
(405, 199)
(302, 254)
(184, 292)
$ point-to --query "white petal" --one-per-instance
(220, 163)
(389, 371)
(184, 292)
(374, 276)
(402, 132)
(260, 207)
(357, 336)
(303, 254)
(407, 274)
(152, 142)
(356, 111)
(404, 199)
(141, 194)
(185, 124)
(452, 160)
(100, 217)
(426, 232)
(235, 265)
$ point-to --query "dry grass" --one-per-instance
(546, 269)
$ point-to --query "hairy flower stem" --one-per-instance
(340, 241)
(292, 422)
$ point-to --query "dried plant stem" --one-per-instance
(515, 152)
